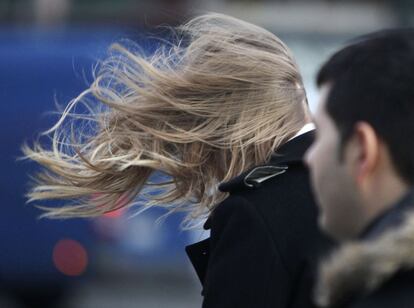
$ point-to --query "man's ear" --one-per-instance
(363, 151)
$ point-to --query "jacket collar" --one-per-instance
(289, 153)
(392, 217)
(360, 267)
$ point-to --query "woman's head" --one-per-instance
(202, 110)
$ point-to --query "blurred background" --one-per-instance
(47, 51)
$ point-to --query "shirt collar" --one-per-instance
(306, 128)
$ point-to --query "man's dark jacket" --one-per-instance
(375, 271)
(264, 237)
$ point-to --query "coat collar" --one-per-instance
(290, 153)
(360, 267)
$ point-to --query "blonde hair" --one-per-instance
(202, 110)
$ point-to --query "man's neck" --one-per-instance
(385, 198)
(392, 217)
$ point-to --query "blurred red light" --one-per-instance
(70, 257)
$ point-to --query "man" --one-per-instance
(362, 169)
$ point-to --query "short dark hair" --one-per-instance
(372, 80)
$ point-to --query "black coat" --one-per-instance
(264, 237)
(376, 271)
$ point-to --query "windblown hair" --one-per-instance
(202, 110)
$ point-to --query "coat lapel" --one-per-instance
(198, 254)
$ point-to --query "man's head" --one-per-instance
(363, 157)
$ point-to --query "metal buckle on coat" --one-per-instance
(260, 174)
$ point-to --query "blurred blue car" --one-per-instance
(41, 259)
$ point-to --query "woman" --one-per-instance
(226, 104)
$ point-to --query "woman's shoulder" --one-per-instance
(288, 221)
(285, 188)
(283, 199)
(283, 206)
